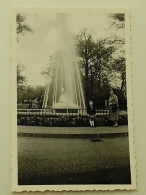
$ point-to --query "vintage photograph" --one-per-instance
(72, 110)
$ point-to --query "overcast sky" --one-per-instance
(34, 49)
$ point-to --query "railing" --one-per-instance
(59, 112)
(59, 117)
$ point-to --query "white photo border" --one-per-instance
(14, 166)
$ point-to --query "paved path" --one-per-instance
(70, 161)
(71, 130)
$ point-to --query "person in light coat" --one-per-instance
(113, 108)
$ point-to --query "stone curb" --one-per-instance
(83, 136)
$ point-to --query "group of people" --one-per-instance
(113, 110)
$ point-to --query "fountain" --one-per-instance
(64, 101)
(64, 88)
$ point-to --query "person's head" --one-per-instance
(111, 92)
(91, 103)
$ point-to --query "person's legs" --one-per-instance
(115, 124)
(93, 123)
(90, 122)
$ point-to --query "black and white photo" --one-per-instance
(72, 100)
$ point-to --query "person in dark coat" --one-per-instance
(113, 108)
(91, 113)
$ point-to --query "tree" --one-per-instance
(98, 60)
(94, 59)
(118, 20)
(50, 66)
(30, 94)
(102, 58)
(21, 80)
(21, 26)
(120, 66)
(85, 52)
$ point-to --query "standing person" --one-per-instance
(91, 113)
(113, 108)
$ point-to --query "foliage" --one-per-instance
(21, 26)
(85, 50)
(99, 63)
(29, 95)
(67, 121)
(21, 80)
(118, 20)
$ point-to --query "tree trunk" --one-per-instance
(123, 82)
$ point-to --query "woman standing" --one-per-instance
(113, 108)
(91, 113)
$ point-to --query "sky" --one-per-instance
(34, 49)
